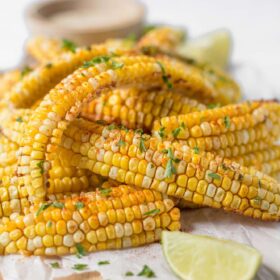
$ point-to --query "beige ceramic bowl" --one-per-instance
(85, 21)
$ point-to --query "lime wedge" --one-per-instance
(213, 48)
(194, 257)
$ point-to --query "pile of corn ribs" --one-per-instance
(101, 146)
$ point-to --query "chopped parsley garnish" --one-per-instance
(80, 250)
(80, 266)
(103, 262)
(49, 65)
(123, 127)
(79, 205)
(112, 126)
(49, 224)
(147, 272)
(170, 168)
(55, 265)
(43, 207)
(152, 212)
(105, 192)
(148, 28)
(40, 164)
(164, 76)
(177, 130)
(117, 65)
(19, 119)
(196, 150)
(139, 131)
(131, 38)
(142, 139)
(142, 146)
(161, 132)
(214, 176)
(57, 204)
(129, 273)
(69, 45)
(26, 70)
(96, 60)
(213, 105)
(227, 121)
(121, 143)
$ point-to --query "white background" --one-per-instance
(255, 26)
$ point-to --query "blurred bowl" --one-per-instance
(85, 21)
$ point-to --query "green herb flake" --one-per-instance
(40, 164)
(79, 205)
(49, 224)
(214, 176)
(96, 60)
(49, 65)
(161, 132)
(80, 266)
(148, 28)
(117, 65)
(129, 273)
(58, 204)
(43, 207)
(19, 119)
(196, 150)
(25, 71)
(164, 76)
(105, 192)
(103, 262)
(142, 146)
(112, 126)
(69, 45)
(227, 121)
(213, 105)
(121, 143)
(147, 272)
(80, 250)
(152, 212)
(55, 265)
(176, 132)
(131, 38)
(139, 131)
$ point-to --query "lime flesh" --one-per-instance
(194, 257)
(213, 48)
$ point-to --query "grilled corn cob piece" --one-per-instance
(38, 82)
(176, 170)
(45, 49)
(229, 126)
(108, 219)
(64, 103)
(8, 80)
(135, 108)
(165, 38)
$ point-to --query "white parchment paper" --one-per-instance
(264, 236)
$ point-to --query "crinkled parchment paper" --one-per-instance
(265, 236)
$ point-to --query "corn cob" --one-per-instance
(8, 80)
(45, 49)
(64, 103)
(108, 219)
(37, 83)
(135, 108)
(229, 126)
(176, 170)
(165, 38)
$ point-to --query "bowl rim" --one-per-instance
(34, 18)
